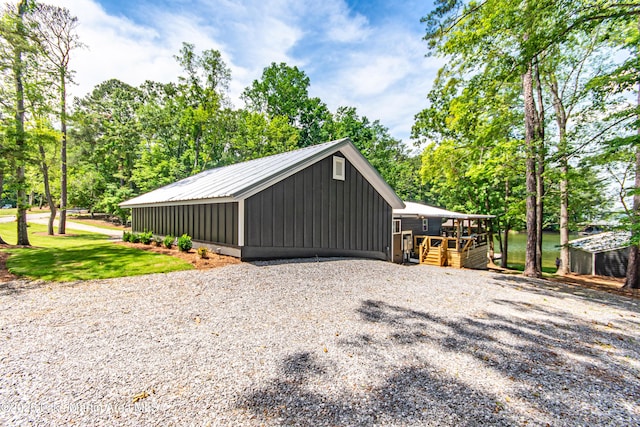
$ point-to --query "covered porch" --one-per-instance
(435, 236)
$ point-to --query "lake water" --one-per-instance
(550, 250)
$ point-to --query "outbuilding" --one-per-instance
(603, 254)
(322, 200)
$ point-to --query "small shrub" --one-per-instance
(168, 241)
(135, 238)
(146, 237)
(184, 243)
(126, 236)
(157, 241)
(202, 252)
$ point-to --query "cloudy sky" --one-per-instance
(362, 53)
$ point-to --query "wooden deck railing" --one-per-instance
(444, 244)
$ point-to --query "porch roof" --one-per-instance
(420, 210)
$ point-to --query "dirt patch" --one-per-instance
(213, 260)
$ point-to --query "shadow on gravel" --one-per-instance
(16, 287)
(401, 398)
(559, 369)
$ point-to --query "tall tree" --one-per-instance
(284, 91)
(500, 39)
(57, 31)
(39, 99)
(202, 94)
(16, 44)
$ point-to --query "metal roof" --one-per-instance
(242, 180)
(413, 209)
(602, 242)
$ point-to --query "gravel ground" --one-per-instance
(336, 342)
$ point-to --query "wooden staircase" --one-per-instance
(434, 255)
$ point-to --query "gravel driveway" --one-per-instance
(336, 342)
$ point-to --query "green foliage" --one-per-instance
(146, 237)
(184, 243)
(283, 92)
(110, 200)
(135, 238)
(203, 252)
(126, 236)
(168, 241)
(157, 241)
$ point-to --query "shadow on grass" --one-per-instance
(558, 369)
(91, 261)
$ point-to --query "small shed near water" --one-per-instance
(604, 254)
(322, 200)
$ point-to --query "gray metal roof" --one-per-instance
(241, 180)
(603, 242)
(413, 209)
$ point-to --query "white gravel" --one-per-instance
(337, 342)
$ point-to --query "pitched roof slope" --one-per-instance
(241, 180)
(602, 242)
(412, 209)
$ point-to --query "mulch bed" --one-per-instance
(605, 284)
(212, 260)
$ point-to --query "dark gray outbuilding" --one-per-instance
(603, 254)
(323, 200)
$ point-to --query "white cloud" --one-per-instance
(341, 25)
(378, 68)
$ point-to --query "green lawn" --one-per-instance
(81, 256)
(550, 250)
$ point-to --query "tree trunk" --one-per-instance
(504, 262)
(530, 265)
(633, 275)
(2, 242)
(540, 159)
(47, 189)
(62, 222)
(23, 236)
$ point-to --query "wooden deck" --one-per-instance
(466, 252)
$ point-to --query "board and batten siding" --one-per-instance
(310, 213)
(211, 222)
(415, 225)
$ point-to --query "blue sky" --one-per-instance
(365, 54)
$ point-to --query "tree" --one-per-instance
(106, 138)
(202, 97)
(57, 32)
(16, 44)
(39, 97)
(283, 91)
(505, 41)
(473, 159)
(625, 79)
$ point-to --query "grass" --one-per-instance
(81, 256)
(550, 250)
